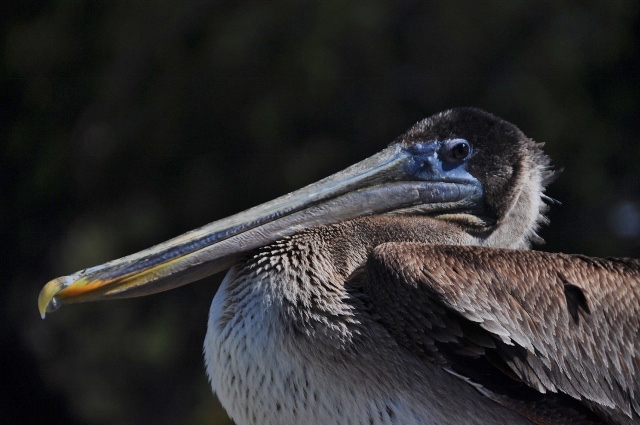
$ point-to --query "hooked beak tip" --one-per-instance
(47, 301)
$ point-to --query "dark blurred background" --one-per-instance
(124, 123)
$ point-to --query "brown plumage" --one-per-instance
(549, 325)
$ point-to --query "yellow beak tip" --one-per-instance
(47, 301)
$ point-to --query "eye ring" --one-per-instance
(457, 150)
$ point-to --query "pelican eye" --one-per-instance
(457, 149)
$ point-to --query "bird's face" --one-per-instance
(450, 166)
(445, 161)
(499, 153)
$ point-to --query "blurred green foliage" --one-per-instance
(125, 123)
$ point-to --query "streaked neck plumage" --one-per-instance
(289, 342)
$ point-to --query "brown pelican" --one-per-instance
(399, 291)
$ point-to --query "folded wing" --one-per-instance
(555, 337)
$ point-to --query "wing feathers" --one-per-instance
(559, 323)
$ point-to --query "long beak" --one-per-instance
(377, 185)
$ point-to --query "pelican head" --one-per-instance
(462, 165)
